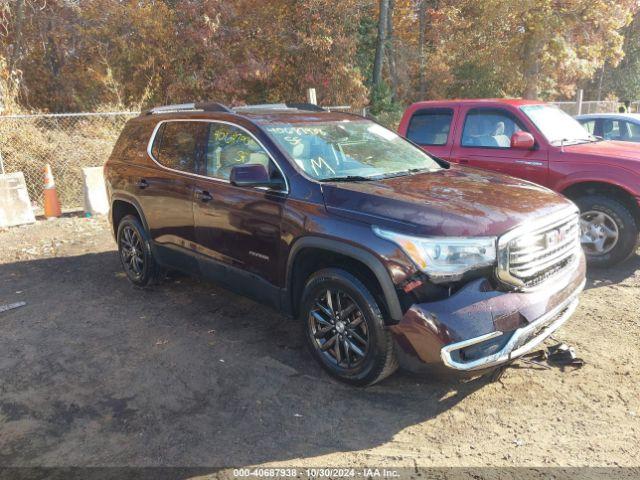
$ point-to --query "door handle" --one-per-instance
(463, 161)
(203, 195)
(142, 184)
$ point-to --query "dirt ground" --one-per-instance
(96, 372)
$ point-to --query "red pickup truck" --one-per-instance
(538, 142)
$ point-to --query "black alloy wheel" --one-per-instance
(135, 253)
(339, 328)
(345, 328)
(131, 252)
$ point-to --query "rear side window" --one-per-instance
(177, 145)
(130, 146)
(430, 127)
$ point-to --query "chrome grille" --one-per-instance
(531, 254)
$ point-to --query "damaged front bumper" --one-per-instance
(480, 328)
(522, 340)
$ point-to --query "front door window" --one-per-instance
(229, 146)
(489, 129)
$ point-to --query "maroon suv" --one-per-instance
(386, 255)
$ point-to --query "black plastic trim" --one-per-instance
(232, 278)
(305, 106)
(133, 202)
(381, 273)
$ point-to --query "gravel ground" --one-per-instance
(96, 372)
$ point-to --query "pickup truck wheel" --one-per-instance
(345, 329)
(135, 253)
(609, 232)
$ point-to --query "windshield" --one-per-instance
(349, 150)
(557, 126)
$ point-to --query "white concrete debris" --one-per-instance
(15, 206)
(95, 191)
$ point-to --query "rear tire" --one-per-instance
(609, 230)
(347, 333)
(135, 252)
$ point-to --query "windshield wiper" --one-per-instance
(574, 141)
(348, 178)
(411, 171)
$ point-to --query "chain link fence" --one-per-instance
(573, 108)
(67, 142)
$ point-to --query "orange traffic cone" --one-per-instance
(51, 202)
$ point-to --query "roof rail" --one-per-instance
(261, 106)
(187, 107)
(171, 108)
(280, 106)
(219, 107)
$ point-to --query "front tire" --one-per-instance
(135, 252)
(344, 328)
(609, 231)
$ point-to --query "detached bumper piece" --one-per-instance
(497, 348)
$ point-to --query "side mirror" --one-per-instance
(253, 175)
(522, 141)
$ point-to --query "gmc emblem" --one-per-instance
(554, 237)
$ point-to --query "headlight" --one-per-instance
(445, 258)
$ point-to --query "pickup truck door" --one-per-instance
(432, 130)
(484, 141)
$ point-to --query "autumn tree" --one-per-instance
(63, 55)
(622, 81)
(76, 55)
(381, 43)
(530, 48)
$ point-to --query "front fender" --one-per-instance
(343, 248)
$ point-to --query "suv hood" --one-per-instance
(458, 201)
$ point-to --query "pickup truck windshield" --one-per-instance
(557, 127)
(349, 150)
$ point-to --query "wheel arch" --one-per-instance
(122, 206)
(323, 252)
(591, 187)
